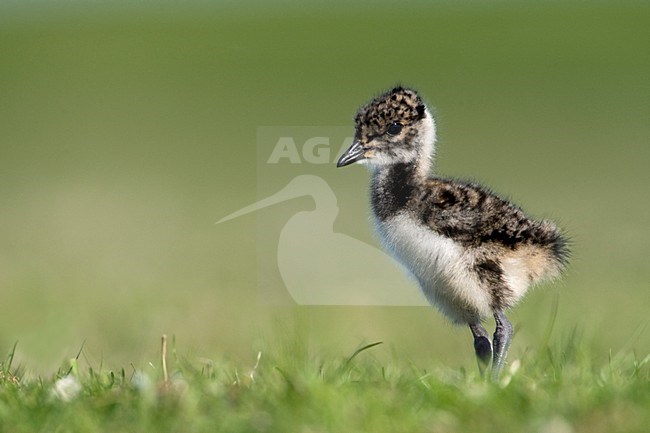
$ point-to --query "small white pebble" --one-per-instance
(556, 425)
(514, 367)
(66, 388)
(142, 382)
(179, 385)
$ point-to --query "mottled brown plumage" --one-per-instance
(473, 253)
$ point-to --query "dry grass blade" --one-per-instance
(163, 355)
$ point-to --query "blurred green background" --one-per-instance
(128, 129)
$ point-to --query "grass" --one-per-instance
(127, 133)
(558, 390)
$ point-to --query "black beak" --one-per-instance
(353, 154)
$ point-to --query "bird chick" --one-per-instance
(473, 253)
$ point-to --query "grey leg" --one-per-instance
(482, 346)
(502, 337)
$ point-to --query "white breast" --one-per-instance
(443, 268)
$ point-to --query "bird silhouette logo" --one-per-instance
(321, 267)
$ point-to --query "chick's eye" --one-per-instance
(394, 128)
